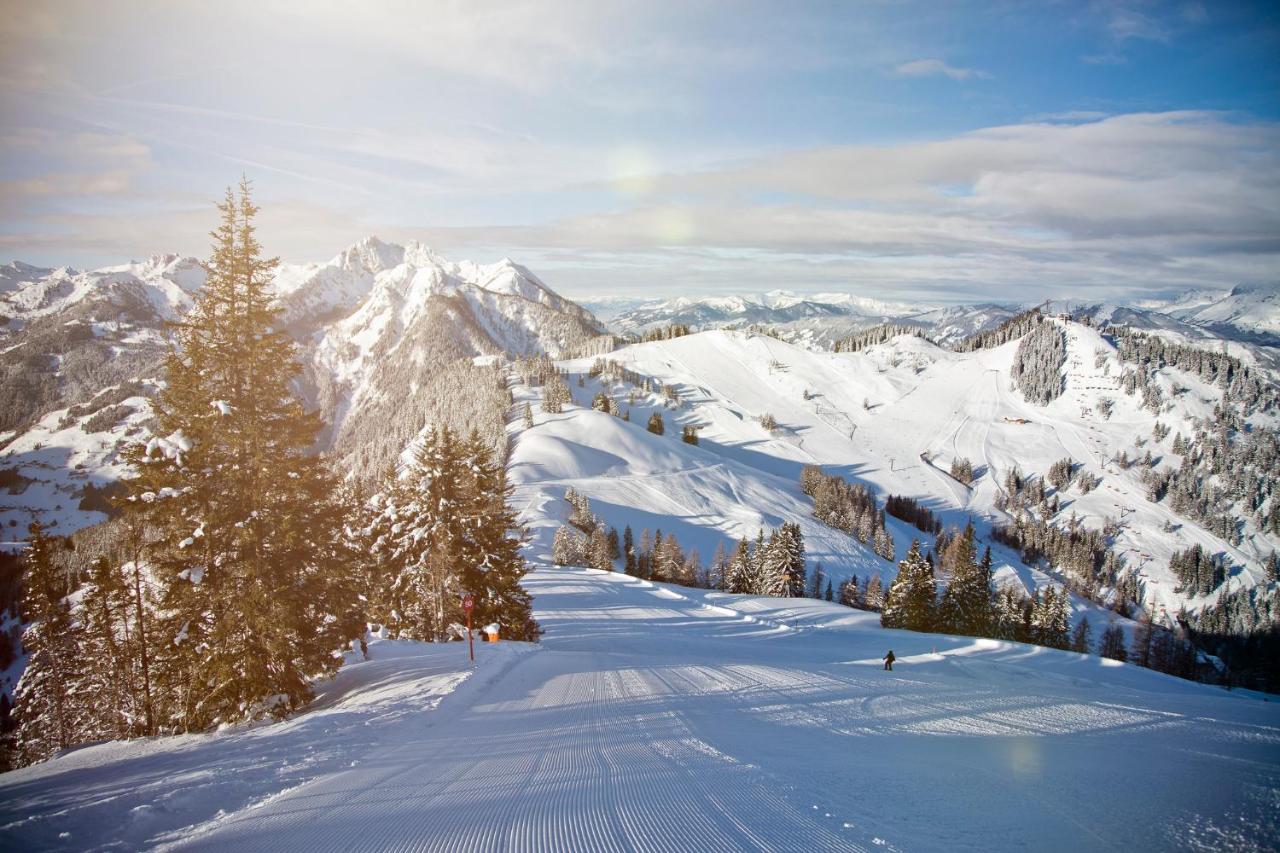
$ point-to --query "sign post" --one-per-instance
(467, 604)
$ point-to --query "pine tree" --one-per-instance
(966, 606)
(1081, 640)
(775, 566)
(106, 674)
(873, 595)
(849, 595)
(614, 551)
(629, 550)
(910, 601)
(791, 539)
(564, 548)
(48, 714)
(1009, 621)
(738, 570)
(250, 557)
(1050, 624)
(829, 595)
(1140, 649)
(673, 562)
(816, 577)
(718, 574)
(656, 425)
(1112, 643)
(598, 550)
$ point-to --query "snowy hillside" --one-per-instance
(892, 417)
(653, 717)
(1252, 308)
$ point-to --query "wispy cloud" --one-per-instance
(938, 68)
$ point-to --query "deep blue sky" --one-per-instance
(936, 150)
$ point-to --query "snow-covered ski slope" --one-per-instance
(892, 417)
(661, 718)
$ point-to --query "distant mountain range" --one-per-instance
(1246, 313)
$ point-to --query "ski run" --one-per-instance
(653, 717)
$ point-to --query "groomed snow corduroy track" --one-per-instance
(654, 718)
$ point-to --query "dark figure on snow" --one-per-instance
(888, 660)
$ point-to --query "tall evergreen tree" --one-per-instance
(254, 594)
(48, 714)
(1112, 643)
(966, 606)
(1081, 639)
(910, 601)
(738, 574)
(629, 550)
(791, 539)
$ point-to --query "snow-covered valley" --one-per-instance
(653, 717)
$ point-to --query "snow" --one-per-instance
(655, 717)
(870, 416)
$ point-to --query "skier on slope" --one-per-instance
(888, 660)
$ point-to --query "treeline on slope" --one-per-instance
(1011, 329)
(1038, 361)
(1241, 384)
(1240, 628)
(971, 607)
(850, 507)
(859, 341)
(240, 569)
(1227, 473)
(772, 565)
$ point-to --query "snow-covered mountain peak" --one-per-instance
(369, 254)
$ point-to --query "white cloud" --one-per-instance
(935, 68)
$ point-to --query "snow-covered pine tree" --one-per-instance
(48, 714)
(106, 672)
(490, 563)
(255, 595)
(873, 594)
(884, 546)
(849, 594)
(555, 395)
(598, 550)
(738, 573)
(564, 547)
(775, 566)
(718, 570)
(528, 415)
(910, 601)
(791, 539)
(1010, 616)
(1050, 624)
(966, 604)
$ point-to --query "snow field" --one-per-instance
(660, 718)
